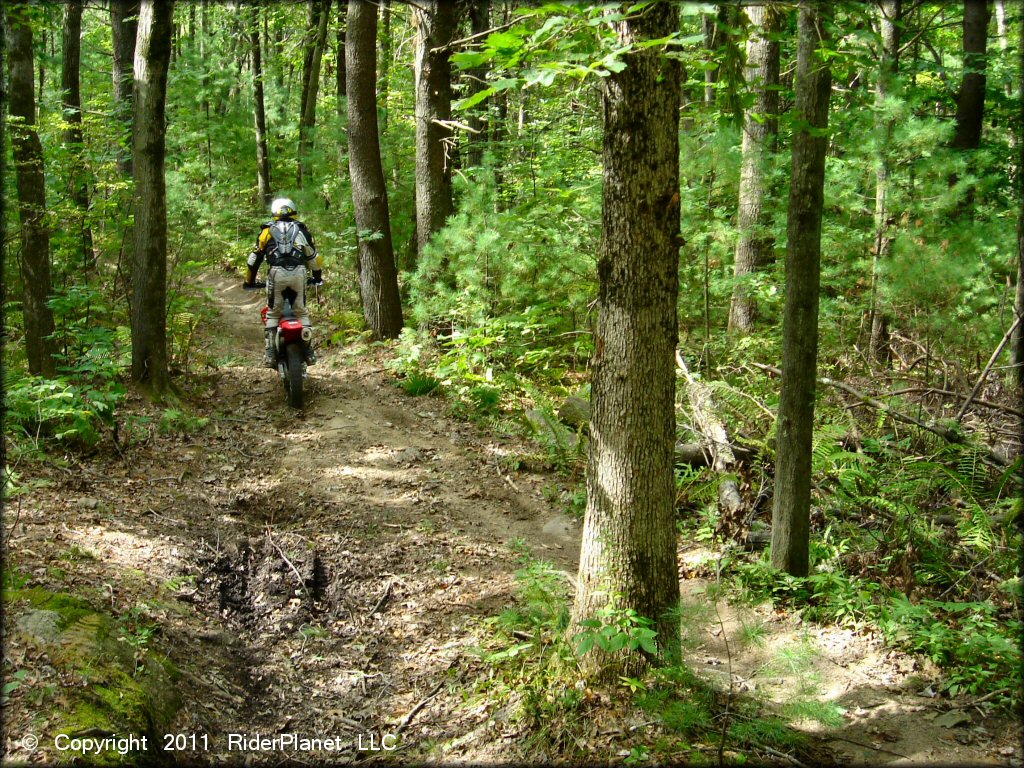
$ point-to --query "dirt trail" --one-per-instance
(318, 572)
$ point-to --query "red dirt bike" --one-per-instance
(289, 343)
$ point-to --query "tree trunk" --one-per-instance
(384, 80)
(378, 278)
(340, 56)
(628, 555)
(308, 117)
(31, 185)
(72, 106)
(262, 158)
(479, 17)
(890, 20)
(1018, 345)
(791, 509)
(760, 127)
(435, 28)
(149, 275)
(124, 25)
(970, 101)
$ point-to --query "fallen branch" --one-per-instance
(383, 597)
(415, 710)
(949, 435)
(951, 393)
(988, 368)
(302, 581)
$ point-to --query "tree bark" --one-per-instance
(628, 555)
(149, 275)
(124, 28)
(754, 249)
(72, 106)
(435, 28)
(378, 277)
(970, 101)
(259, 110)
(30, 181)
(791, 508)
(308, 117)
(890, 20)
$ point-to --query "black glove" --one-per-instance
(318, 277)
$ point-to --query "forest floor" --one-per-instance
(327, 574)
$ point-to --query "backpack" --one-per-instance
(290, 245)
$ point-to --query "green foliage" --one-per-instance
(174, 421)
(616, 629)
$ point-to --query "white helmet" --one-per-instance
(282, 207)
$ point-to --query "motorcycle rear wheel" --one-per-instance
(293, 377)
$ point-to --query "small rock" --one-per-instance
(88, 502)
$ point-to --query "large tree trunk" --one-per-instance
(378, 277)
(435, 29)
(760, 127)
(791, 509)
(890, 20)
(149, 275)
(312, 87)
(259, 111)
(31, 185)
(970, 101)
(628, 556)
(72, 106)
(124, 27)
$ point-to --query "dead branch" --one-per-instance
(947, 434)
(302, 581)
(988, 368)
(415, 710)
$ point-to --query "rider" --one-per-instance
(287, 245)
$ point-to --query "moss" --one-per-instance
(70, 607)
(122, 694)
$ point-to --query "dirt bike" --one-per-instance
(290, 343)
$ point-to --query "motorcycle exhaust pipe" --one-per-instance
(307, 334)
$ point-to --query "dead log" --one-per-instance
(722, 457)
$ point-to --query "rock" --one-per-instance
(40, 625)
(88, 502)
(575, 412)
(552, 429)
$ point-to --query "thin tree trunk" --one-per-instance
(628, 555)
(970, 101)
(791, 508)
(149, 275)
(1018, 345)
(754, 249)
(479, 17)
(312, 88)
(260, 115)
(890, 20)
(72, 106)
(378, 277)
(340, 56)
(31, 185)
(435, 22)
(384, 78)
(124, 28)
